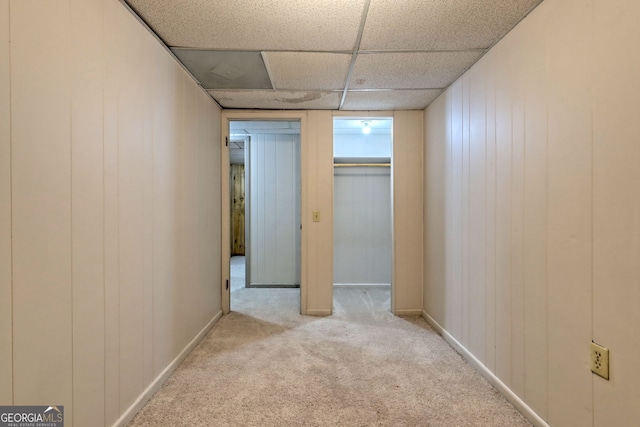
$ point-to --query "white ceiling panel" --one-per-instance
(307, 70)
(390, 100)
(327, 25)
(299, 54)
(440, 24)
(224, 69)
(407, 70)
(277, 100)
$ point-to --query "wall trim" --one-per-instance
(135, 407)
(502, 388)
(321, 312)
(409, 312)
(388, 285)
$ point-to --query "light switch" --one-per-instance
(316, 216)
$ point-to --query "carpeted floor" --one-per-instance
(265, 365)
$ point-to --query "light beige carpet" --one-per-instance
(265, 365)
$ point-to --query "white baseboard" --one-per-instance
(131, 412)
(516, 401)
(388, 285)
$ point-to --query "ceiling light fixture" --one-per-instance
(366, 129)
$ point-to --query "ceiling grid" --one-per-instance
(329, 54)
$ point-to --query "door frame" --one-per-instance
(251, 115)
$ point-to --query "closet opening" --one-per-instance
(362, 200)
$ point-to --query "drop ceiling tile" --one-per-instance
(277, 100)
(390, 99)
(440, 24)
(225, 69)
(308, 70)
(326, 25)
(408, 70)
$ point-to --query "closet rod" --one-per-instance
(351, 165)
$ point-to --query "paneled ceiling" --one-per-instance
(329, 54)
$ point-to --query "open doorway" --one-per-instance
(362, 213)
(265, 203)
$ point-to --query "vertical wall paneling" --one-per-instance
(150, 48)
(207, 260)
(490, 214)
(569, 212)
(435, 229)
(274, 219)
(103, 176)
(407, 214)
(130, 217)
(6, 350)
(113, 20)
(455, 216)
(41, 203)
(561, 209)
(477, 210)
(616, 209)
(186, 204)
(517, 216)
(362, 225)
(165, 192)
(504, 205)
(87, 207)
(535, 216)
(451, 317)
(466, 214)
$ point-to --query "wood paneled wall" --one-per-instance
(110, 188)
(532, 225)
(237, 210)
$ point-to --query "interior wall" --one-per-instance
(407, 213)
(362, 225)
(532, 227)
(316, 156)
(112, 201)
(359, 145)
(317, 194)
(274, 209)
(6, 356)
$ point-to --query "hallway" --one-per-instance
(266, 365)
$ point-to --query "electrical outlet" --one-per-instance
(600, 360)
